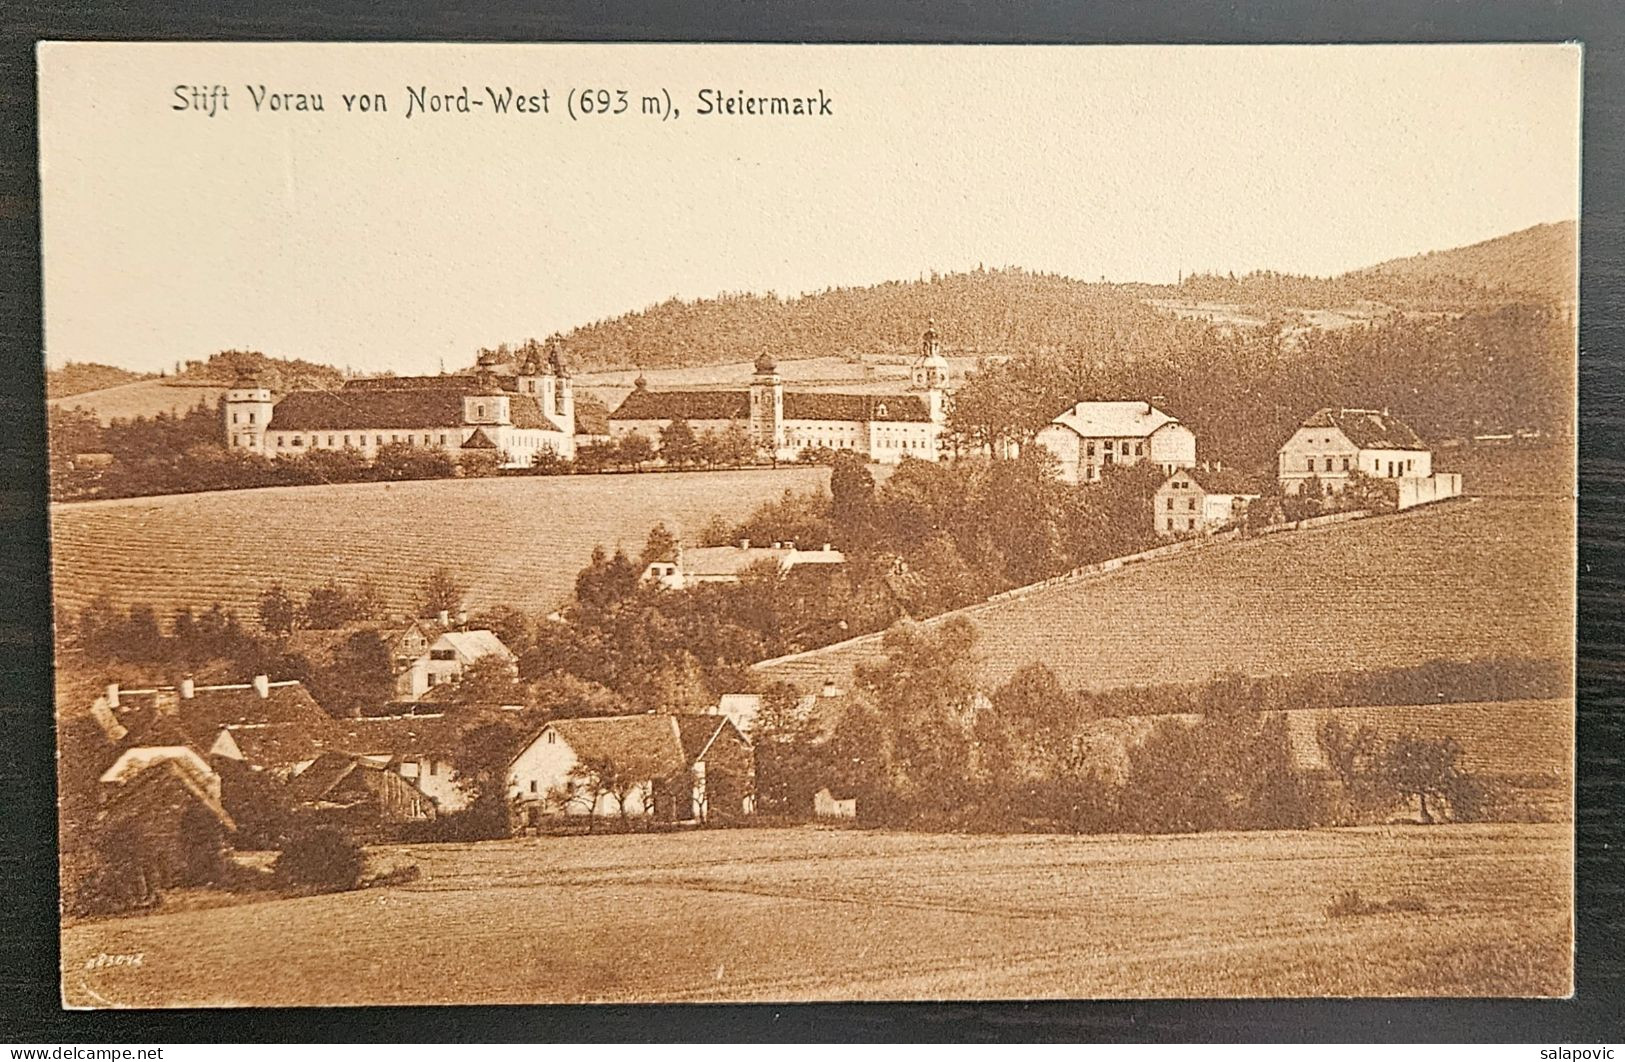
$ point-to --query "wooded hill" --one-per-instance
(1013, 311)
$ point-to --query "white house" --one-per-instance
(676, 768)
(1193, 501)
(275, 727)
(454, 651)
(727, 564)
(1335, 443)
(1092, 436)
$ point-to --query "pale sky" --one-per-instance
(388, 243)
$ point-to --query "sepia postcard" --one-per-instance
(693, 523)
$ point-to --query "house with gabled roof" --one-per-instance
(696, 565)
(1089, 437)
(1193, 501)
(275, 727)
(664, 766)
(1333, 444)
(358, 791)
(418, 747)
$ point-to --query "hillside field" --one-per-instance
(143, 398)
(1460, 580)
(818, 914)
(515, 541)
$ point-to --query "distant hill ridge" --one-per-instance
(1541, 260)
(1008, 311)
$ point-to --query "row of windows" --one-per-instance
(1190, 504)
(1190, 524)
(1129, 446)
(426, 439)
(234, 416)
(1394, 467)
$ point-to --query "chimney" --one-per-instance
(188, 688)
(462, 617)
(445, 618)
(112, 695)
(826, 547)
(262, 685)
(744, 543)
(1148, 407)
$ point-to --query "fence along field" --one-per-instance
(515, 541)
(803, 914)
(1460, 580)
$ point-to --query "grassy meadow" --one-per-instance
(814, 914)
(515, 541)
(1460, 580)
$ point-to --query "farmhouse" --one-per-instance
(1092, 436)
(1334, 445)
(674, 768)
(514, 418)
(883, 428)
(1191, 501)
(358, 791)
(418, 748)
(163, 805)
(728, 564)
(275, 727)
(424, 654)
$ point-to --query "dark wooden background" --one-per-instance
(29, 1009)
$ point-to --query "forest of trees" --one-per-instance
(1244, 391)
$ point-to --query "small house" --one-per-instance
(1194, 501)
(728, 564)
(358, 791)
(669, 767)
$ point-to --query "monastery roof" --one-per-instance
(798, 405)
(411, 402)
(1369, 429)
(643, 404)
(277, 745)
(355, 409)
(861, 409)
(1114, 420)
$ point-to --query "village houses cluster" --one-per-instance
(168, 746)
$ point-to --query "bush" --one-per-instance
(103, 880)
(323, 858)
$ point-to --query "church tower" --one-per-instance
(767, 405)
(248, 413)
(931, 374)
(931, 368)
(530, 378)
(486, 404)
(564, 400)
